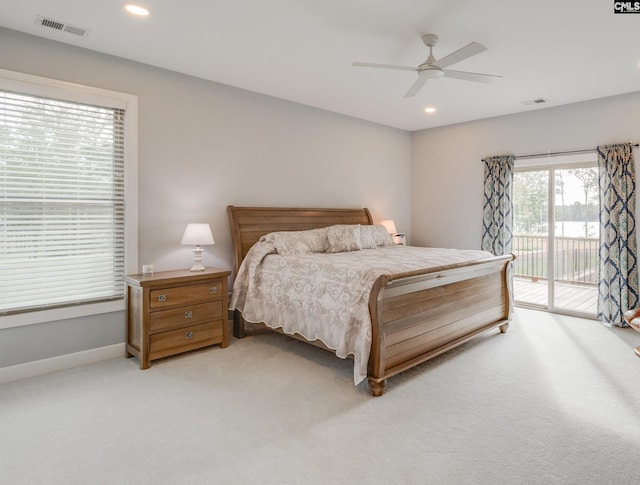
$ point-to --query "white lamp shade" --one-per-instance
(197, 235)
(390, 226)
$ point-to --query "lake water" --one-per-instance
(576, 229)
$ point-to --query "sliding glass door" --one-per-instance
(556, 229)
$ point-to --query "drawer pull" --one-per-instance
(213, 290)
(188, 314)
(162, 297)
(188, 335)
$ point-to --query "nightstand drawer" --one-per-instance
(186, 315)
(183, 295)
(186, 337)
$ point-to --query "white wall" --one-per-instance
(203, 146)
(447, 172)
(215, 145)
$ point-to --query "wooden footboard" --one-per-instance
(417, 316)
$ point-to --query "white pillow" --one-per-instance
(381, 236)
(343, 238)
(295, 243)
(367, 240)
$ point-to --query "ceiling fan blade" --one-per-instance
(416, 87)
(470, 76)
(384, 66)
(460, 55)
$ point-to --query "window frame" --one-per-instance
(53, 88)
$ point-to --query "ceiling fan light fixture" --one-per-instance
(430, 73)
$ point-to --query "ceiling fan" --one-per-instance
(434, 68)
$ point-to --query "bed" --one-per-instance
(412, 314)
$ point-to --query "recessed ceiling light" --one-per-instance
(136, 9)
(429, 109)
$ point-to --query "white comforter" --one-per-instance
(325, 296)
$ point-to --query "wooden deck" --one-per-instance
(576, 297)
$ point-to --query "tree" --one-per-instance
(559, 186)
(588, 177)
(530, 202)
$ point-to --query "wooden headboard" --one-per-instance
(248, 224)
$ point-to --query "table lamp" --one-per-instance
(390, 226)
(197, 235)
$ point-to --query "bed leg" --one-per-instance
(503, 328)
(377, 387)
(238, 325)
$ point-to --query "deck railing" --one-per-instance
(575, 261)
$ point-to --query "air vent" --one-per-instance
(61, 26)
(531, 102)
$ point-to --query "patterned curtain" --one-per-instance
(497, 216)
(618, 282)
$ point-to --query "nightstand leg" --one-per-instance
(225, 332)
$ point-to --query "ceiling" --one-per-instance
(302, 50)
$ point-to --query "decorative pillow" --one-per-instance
(366, 237)
(381, 236)
(343, 238)
(295, 243)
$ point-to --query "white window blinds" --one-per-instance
(61, 202)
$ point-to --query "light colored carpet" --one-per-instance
(555, 400)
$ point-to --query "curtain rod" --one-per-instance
(569, 152)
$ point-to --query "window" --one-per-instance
(65, 169)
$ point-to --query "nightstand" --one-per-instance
(175, 311)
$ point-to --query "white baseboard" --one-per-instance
(60, 362)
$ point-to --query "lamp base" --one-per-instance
(197, 259)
